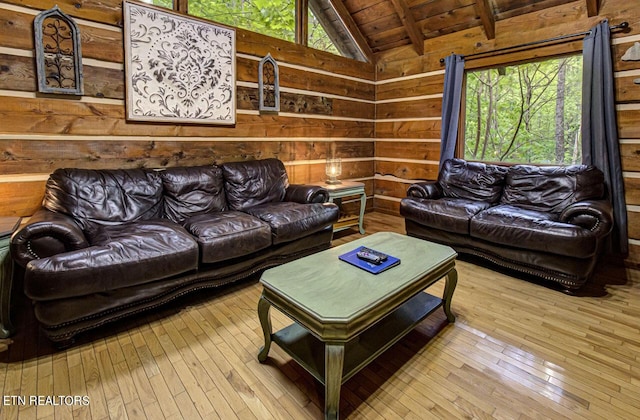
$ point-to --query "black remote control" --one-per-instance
(383, 257)
(367, 256)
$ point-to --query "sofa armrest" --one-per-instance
(46, 233)
(301, 193)
(429, 190)
(595, 215)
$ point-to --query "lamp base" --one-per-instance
(333, 181)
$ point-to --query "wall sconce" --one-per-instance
(333, 170)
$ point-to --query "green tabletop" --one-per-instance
(330, 289)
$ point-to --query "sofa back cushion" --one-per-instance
(551, 188)
(104, 197)
(190, 191)
(248, 184)
(472, 180)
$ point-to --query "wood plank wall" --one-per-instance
(387, 131)
(409, 96)
(327, 107)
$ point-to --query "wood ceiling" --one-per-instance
(380, 25)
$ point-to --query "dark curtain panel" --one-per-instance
(600, 146)
(454, 70)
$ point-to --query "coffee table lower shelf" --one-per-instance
(309, 351)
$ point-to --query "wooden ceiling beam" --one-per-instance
(415, 34)
(593, 7)
(484, 10)
(352, 28)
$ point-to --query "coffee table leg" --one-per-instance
(450, 286)
(333, 362)
(363, 205)
(265, 322)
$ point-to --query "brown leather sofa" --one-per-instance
(547, 221)
(108, 244)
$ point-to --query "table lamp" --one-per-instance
(333, 170)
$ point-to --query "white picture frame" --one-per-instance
(178, 69)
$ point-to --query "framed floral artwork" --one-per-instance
(178, 69)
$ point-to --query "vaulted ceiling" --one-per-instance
(380, 25)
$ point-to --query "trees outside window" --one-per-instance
(162, 3)
(318, 37)
(526, 113)
(275, 18)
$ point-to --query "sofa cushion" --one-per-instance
(472, 180)
(189, 191)
(534, 230)
(290, 221)
(226, 235)
(551, 188)
(104, 197)
(255, 182)
(449, 214)
(119, 256)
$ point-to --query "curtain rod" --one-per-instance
(623, 25)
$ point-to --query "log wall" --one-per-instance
(387, 131)
(409, 95)
(327, 107)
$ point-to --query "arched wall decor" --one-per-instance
(58, 54)
(269, 85)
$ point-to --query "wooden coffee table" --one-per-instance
(344, 316)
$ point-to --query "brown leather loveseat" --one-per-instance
(111, 243)
(548, 221)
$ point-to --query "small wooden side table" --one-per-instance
(345, 189)
(8, 225)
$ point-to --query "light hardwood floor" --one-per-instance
(517, 350)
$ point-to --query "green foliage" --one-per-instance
(273, 18)
(163, 3)
(528, 113)
(318, 37)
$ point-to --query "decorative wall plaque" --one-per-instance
(269, 85)
(632, 53)
(58, 55)
(178, 69)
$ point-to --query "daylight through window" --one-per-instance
(318, 37)
(274, 18)
(162, 3)
(526, 113)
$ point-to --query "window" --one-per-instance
(526, 113)
(274, 18)
(318, 37)
(162, 3)
(327, 31)
(277, 18)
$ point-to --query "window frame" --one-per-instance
(301, 30)
(536, 56)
